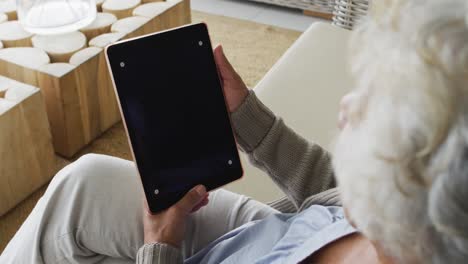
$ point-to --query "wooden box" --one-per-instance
(71, 69)
(26, 152)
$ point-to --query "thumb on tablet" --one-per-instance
(224, 66)
(234, 87)
(192, 199)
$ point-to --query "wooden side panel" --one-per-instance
(87, 84)
(17, 72)
(64, 111)
(178, 15)
(26, 151)
(110, 113)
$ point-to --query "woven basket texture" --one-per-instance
(322, 6)
(347, 12)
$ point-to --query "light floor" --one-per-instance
(256, 12)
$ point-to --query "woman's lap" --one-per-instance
(91, 212)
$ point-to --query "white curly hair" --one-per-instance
(402, 160)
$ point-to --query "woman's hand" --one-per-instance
(168, 226)
(235, 89)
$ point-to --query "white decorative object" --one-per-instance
(47, 17)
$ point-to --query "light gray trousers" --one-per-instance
(92, 213)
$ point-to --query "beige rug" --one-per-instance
(252, 48)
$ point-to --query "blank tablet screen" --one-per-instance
(175, 113)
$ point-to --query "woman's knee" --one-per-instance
(97, 171)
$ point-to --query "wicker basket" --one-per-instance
(322, 6)
(348, 12)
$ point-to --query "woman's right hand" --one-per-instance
(234, 87)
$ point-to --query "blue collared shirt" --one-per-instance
(279, 238)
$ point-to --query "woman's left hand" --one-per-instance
(168, 226)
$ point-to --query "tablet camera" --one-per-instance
(156, 191)
(229, 162)
(200, 43)
(122, 64)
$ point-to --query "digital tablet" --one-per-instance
(174, 112)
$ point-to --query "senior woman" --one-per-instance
(401, 161)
